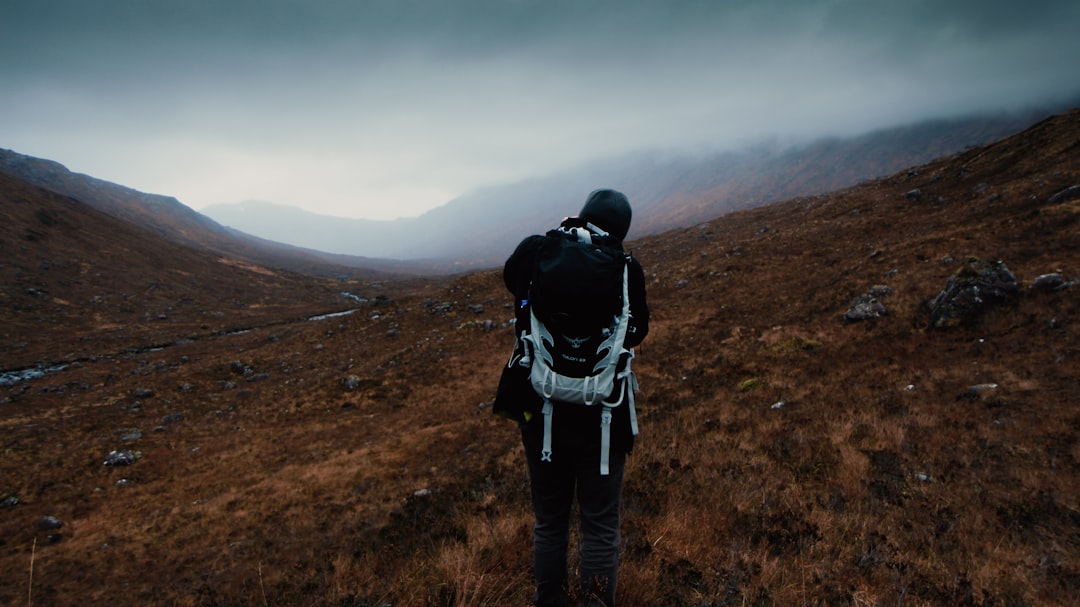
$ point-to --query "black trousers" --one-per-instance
(574, 472)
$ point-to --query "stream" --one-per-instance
(15, 376)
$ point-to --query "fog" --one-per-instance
(387, 108)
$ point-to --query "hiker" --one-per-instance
(567, 456)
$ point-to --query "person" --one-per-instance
(575, 441)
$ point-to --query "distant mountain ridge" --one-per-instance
(667, 191)
(167, 217)
(479, 229)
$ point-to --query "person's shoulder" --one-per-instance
(529, 243)
(525, 250)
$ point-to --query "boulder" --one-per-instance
(968, 292)
(125, 457)
(1049, 282)
(868, 306)
(1070, 193)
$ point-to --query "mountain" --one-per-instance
(668, 190)
(168, 217)
(789, 454)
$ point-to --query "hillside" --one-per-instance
(79, 283)
(668, 189)
(786, 456)
(167, 217)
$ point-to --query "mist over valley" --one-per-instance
(667, 190)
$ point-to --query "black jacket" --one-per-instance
(517, 273)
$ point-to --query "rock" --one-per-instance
(49, 523)
(968, 291)
(979, 391)
(476, 308)
(240, 368)
(869, 306)
(125, 457)
(142, 393)
(1070, 193)
(982, 388)
(172, 418)
(128, 435)
(1049, 282)
(351, 383)
(8, 500)
(913, 194)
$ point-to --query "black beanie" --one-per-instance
(608, 210)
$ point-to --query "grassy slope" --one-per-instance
(878, 480)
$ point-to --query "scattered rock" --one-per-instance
(970, 290)
(1070, 193)
(868, 306)
(50, 523)
(981, 388)
(240, 368)
(128, 435)
(1050, 282)
(441, 308)
(125, 457)
(172, 418)
(8, 500)
(979, 391)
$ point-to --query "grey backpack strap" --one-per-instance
(545, 453)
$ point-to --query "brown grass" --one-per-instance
(856, 469)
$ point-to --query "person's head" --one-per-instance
(608, 210)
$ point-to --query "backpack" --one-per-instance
(579, 311)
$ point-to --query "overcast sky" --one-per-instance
(386, 108)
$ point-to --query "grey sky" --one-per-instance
(384, 108)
